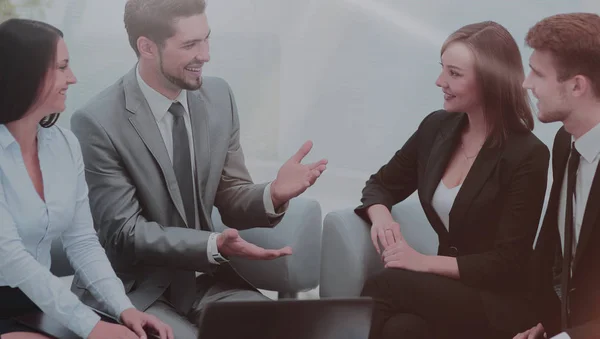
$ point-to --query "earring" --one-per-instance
(49, 120)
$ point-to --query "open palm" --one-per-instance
(229, 243)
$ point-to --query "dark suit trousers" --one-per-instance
(411, 305)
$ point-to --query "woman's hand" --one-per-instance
(401, 255)
(386, 233)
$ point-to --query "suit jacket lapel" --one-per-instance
(589, 218)
(484, 164)
(145, 125)
(200, 127)
(560, 155)
(561, 150)
(199, 118)
(441, 151)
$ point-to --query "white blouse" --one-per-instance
(28, 225)
(442, 201)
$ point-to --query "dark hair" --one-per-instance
(574, 41)
(500, 77)
(154, 19)
(27, 51)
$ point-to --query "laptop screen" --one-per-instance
(289, 319)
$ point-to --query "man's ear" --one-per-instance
(147, 48)
(580, 85)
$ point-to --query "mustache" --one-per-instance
(195, 63)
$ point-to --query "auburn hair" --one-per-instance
(500, 76)
(574, 42)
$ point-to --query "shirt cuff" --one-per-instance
(123, 305)
(268, 202)
(562, 335)
(211, 248)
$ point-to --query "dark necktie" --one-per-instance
(183, 286)
(568, 247)
(182, 163)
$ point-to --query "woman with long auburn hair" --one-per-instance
(481, 175)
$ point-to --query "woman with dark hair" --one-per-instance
(481, 177)
(43, 196)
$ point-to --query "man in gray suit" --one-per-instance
(161, 148)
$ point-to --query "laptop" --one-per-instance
(287, 319)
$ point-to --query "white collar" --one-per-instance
(159, 104)
(588, 145)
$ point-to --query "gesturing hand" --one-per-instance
(229, 243)
(294, 177)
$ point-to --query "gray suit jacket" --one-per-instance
(135, 201)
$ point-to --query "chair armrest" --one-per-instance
(348, 255)
(301, 229)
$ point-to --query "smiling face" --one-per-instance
(182, 56)
(458, 79)
(53, 93)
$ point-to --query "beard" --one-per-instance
(560, 111)
(553, 116)
(177, 81)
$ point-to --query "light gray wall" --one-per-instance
(355, 76)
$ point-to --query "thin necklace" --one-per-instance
(462, 146)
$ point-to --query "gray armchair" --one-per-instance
(348, 256)
(300, 228)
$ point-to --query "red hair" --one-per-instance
(574, 42)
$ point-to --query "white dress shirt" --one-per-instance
(28, 225)
(159, 105)
(442, 201)
(562, 335)
(588, 145)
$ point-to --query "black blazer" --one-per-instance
(584, 295)
(494, 219)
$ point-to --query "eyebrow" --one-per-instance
(188, 42)
(535, 70)
(66, 61)
(451, 66)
